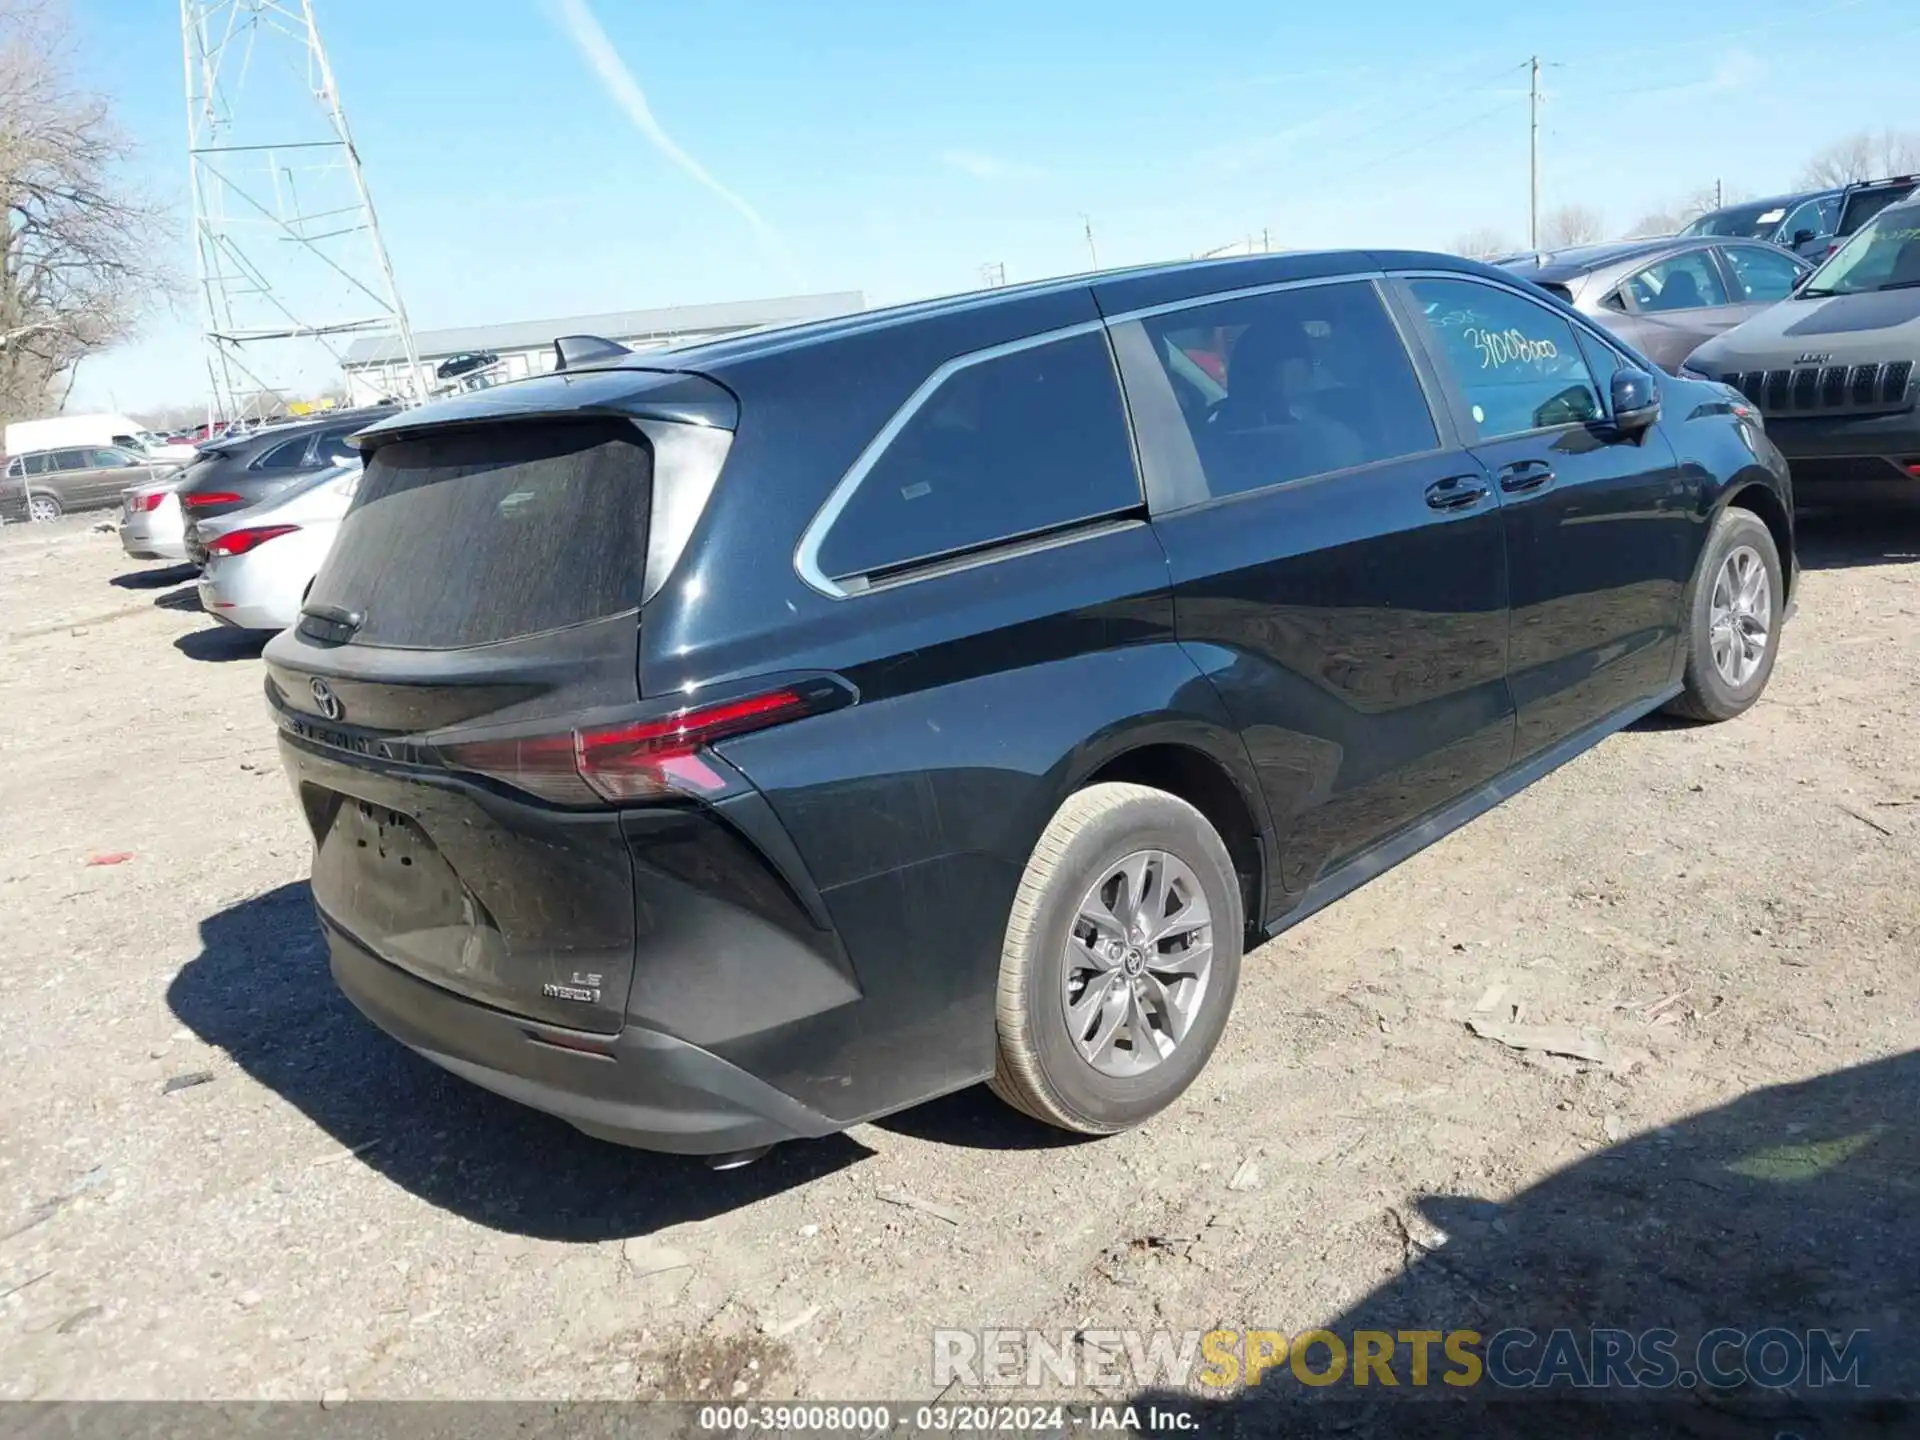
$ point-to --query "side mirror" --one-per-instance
(1636, 401)
(1800, 281)
(1801, 237)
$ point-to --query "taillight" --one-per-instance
(212, 497)
(239, 542)
(641, 760)
(140, 504)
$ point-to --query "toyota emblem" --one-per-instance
(325, 701)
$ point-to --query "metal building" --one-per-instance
(375, 366)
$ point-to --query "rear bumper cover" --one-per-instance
(639, 1087)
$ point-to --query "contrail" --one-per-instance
(598, 51)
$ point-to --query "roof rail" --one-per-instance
(572, 351)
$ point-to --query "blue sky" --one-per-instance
(895, 148)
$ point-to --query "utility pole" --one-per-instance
(1092, 253)
(1533, 156)
(1718, 198)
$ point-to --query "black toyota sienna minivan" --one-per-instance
(730, 744)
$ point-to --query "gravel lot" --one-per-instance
(217, 1181)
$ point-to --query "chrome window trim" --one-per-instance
(1078, 531)
(806, 554)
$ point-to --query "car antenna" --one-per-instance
(572, 351)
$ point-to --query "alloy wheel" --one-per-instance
(1138, 960)
(1740, 617)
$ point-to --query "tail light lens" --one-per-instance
(211, 497)
(141, 504)
(643, 760)
(239, 542)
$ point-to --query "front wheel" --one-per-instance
(1121, 960)
(44, 507)
(1733, 620)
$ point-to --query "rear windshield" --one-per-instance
(1745, 222)
(471, 537)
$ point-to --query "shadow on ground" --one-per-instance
(1842, 539)
(977, 1119)
(260, 990)
(163, 578)
(1795, 1207)
(221, 645)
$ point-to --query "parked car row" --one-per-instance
(255, 510)
(1828, 355)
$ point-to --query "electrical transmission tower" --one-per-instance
(287, 249)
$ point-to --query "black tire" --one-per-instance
(1708, 695)
(1039, 1068)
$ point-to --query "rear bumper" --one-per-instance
(143, 544)
(243, 612)
(639, 1087)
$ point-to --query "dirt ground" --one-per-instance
(216, 1180)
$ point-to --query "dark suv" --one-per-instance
(240, 470)
(724, 745)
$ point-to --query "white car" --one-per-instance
(261, 560)
(152, 525)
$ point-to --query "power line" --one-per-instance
(1436, 138)
(1397, 121)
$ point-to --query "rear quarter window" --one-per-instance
(469, 538)
(1010, 447)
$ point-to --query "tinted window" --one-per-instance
(1682, 282)
(469, 538)
(72, 459)
(1009, 447)
(1518, 364)
(111, 459)
(126, 440)
(40, 464)
(1760, 274)
(1300, 382)
(287, 455)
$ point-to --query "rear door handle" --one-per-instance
(1525, 475)
(1456, 492)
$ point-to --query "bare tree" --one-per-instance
(1571, 225)
(1654, 222)
(1864, 156)
(78, 268)
(1484, 243)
